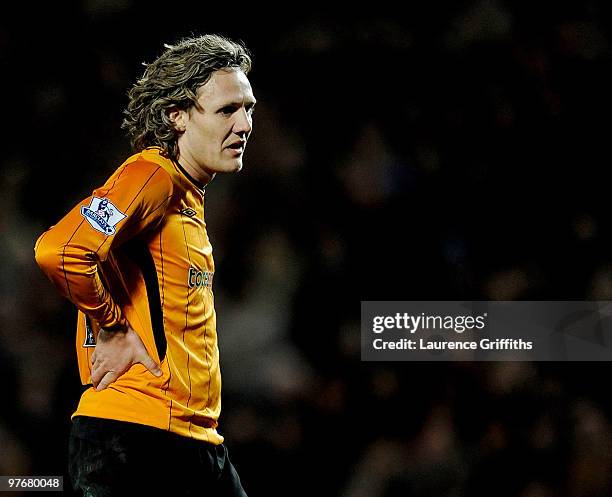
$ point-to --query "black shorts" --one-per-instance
(109, 457)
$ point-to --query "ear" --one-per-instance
(178, 118)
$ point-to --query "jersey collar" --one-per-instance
(195, 182)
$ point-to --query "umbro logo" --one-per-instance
(188, 211)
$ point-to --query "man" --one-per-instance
(135, 259)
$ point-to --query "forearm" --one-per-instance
(75, 273)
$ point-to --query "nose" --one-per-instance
(243, 124)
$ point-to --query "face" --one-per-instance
(215, 132)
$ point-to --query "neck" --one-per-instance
(202, 176)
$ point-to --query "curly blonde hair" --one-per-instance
(171, 82)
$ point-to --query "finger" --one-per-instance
(97, 365)
(96, 375)
(150, 364)
(98, 371)
(93, 357)
(110, 377)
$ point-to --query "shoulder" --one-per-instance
(138, 182)
(145, 173)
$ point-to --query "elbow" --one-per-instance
(47, 254)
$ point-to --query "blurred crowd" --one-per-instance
(453, 151)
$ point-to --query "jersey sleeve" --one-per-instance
(133, 200)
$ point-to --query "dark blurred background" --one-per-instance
(447, 151)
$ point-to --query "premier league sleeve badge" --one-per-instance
(102, 215)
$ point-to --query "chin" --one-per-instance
(237, 167)
(229, 166)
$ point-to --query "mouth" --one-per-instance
(238, 146)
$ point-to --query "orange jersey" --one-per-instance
(137, 249)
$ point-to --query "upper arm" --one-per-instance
(136, 198)
(131, 200)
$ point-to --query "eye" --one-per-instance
(228, 110)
